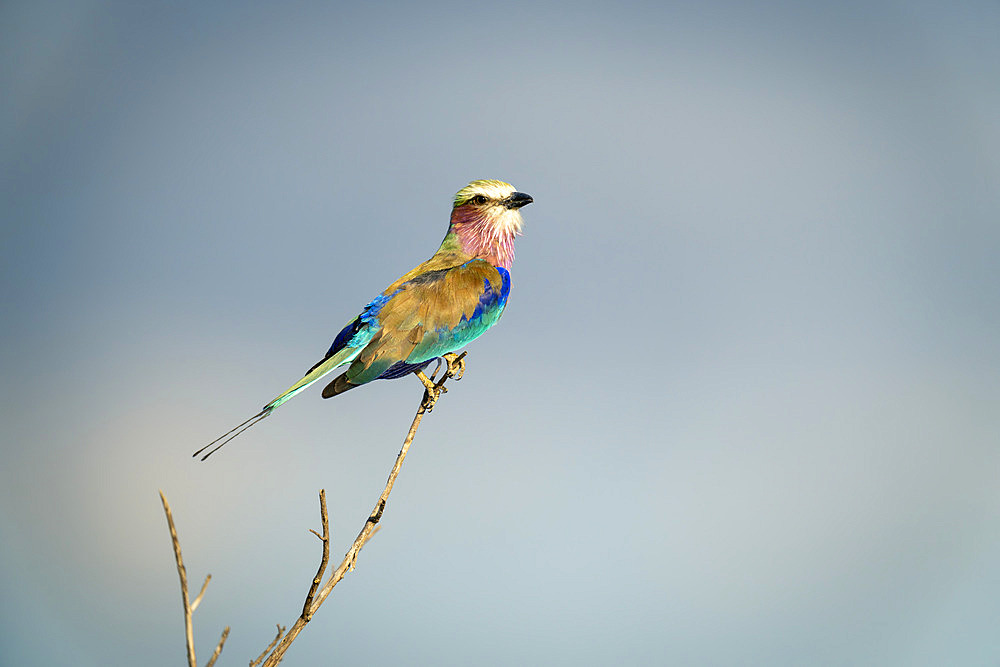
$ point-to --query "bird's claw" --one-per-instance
(432, 391)
(456, 365)
(431, 397)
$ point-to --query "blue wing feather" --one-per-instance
(340, 342)
(366, 323)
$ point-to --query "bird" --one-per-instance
(429, 312)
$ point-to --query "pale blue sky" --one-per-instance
(742, 407)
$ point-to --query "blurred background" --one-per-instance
(742, 407)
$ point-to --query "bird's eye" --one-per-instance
(479, 200)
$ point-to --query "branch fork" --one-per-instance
(189, 607)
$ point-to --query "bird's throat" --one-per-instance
(487, 236)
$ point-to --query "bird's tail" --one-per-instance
(230, 434)
(314, 374)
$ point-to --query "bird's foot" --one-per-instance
(432, 391)
(456, 365)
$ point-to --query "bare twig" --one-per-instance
(218, 648)
(189, 607)
(432, 392)
(188, 628)
(307, 610)
(201, 593)
(275, 651)
(264, 653)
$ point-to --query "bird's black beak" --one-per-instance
(517, 200)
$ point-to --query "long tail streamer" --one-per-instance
(232, 433)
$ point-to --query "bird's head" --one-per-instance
(486, 217)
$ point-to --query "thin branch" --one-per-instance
(188, 628)
(274, 641)
(432, 392)
(201, 593)
(307, 610)
(218, 648)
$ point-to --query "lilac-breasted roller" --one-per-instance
(438, 307)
